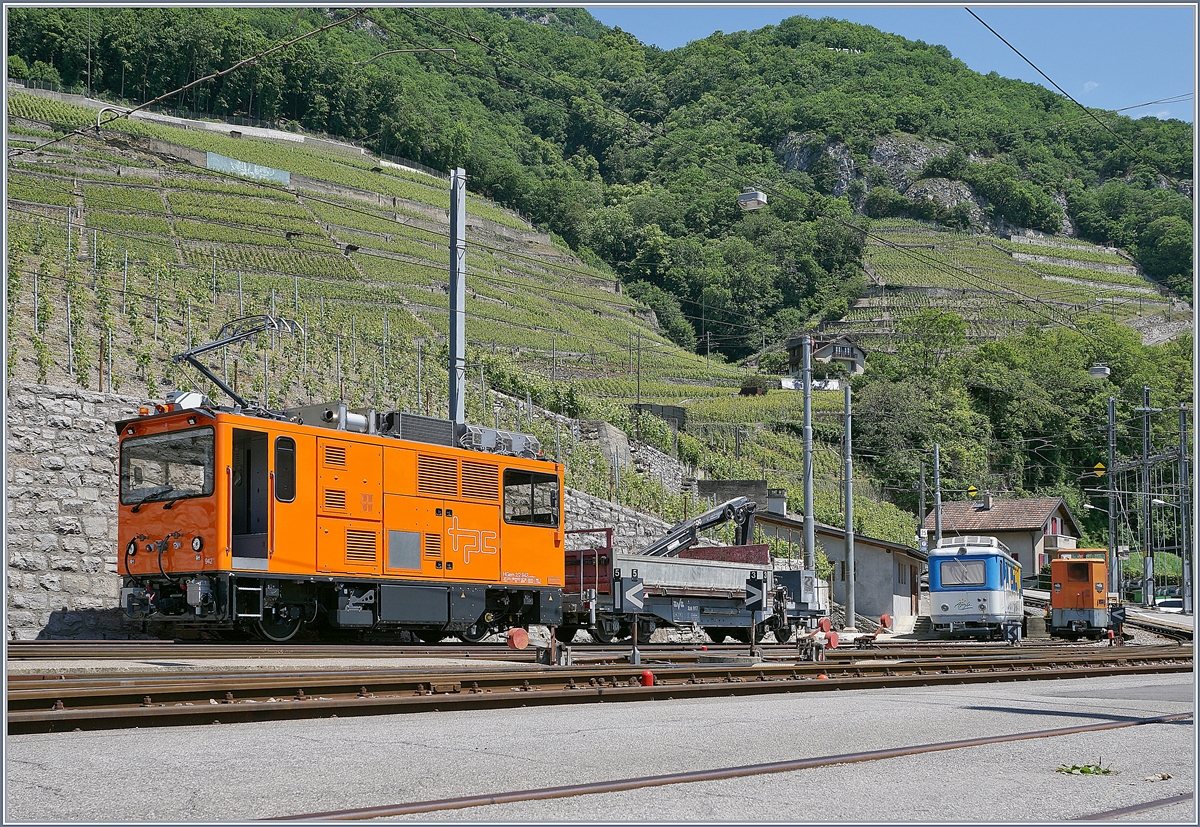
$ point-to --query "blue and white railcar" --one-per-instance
(975, 588)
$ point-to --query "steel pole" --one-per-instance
(810, 542)
(1147, 527)
(937, 497)
(1185, 513)
(849, 523)
(458, 296)
(1114, 560)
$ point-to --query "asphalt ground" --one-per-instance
(240, 772)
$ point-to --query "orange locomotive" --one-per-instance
(346, 520)
(1079, 600)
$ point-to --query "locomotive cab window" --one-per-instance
(285, 469)
(530, 498)
(1077, 572)
(171, 466)
(963, 572)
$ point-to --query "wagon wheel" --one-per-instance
(783, 634)
(606, 632)
(277, 629)
(646, 627)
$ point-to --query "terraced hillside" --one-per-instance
(997, 285)
(125, 250)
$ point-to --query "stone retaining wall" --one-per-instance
(61, 508)
(1074, 262)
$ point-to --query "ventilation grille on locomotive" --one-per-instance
(360, 546)
(335, 456)
(427, 429)
(480, 481)
(437, 476)
(433, 546)
(335, 499)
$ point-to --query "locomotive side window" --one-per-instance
(530, 498)
(171, 466)
(285, 469)
(963, 572)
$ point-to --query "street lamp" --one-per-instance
(1099, 371)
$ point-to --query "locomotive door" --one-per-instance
(248, 493)
(472, 548)
(291, 546)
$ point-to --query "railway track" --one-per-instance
(43, 704)
(53, 650)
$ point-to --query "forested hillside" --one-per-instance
(634, 155)
(901, 186)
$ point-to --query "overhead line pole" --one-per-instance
(1185, 513)
(458, 298)
(849, 523)
(1147, 526)
(1114, 560)
(810, 543)
(937, 497)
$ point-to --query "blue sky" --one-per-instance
(1108, 57)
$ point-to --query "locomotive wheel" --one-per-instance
(783, 634)
(475, 634)
(565, 634)
(276, 629)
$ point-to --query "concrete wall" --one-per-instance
(725, 490)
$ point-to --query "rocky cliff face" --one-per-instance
(903, 157)
(815, 155)
(895, 161)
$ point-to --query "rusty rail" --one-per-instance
(622, 785)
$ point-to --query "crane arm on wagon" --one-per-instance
(686, 534)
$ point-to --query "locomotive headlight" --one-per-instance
(197, 544)
(131, 549)
(945, 607)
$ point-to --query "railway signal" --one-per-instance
(755, 592)
(628, 600)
